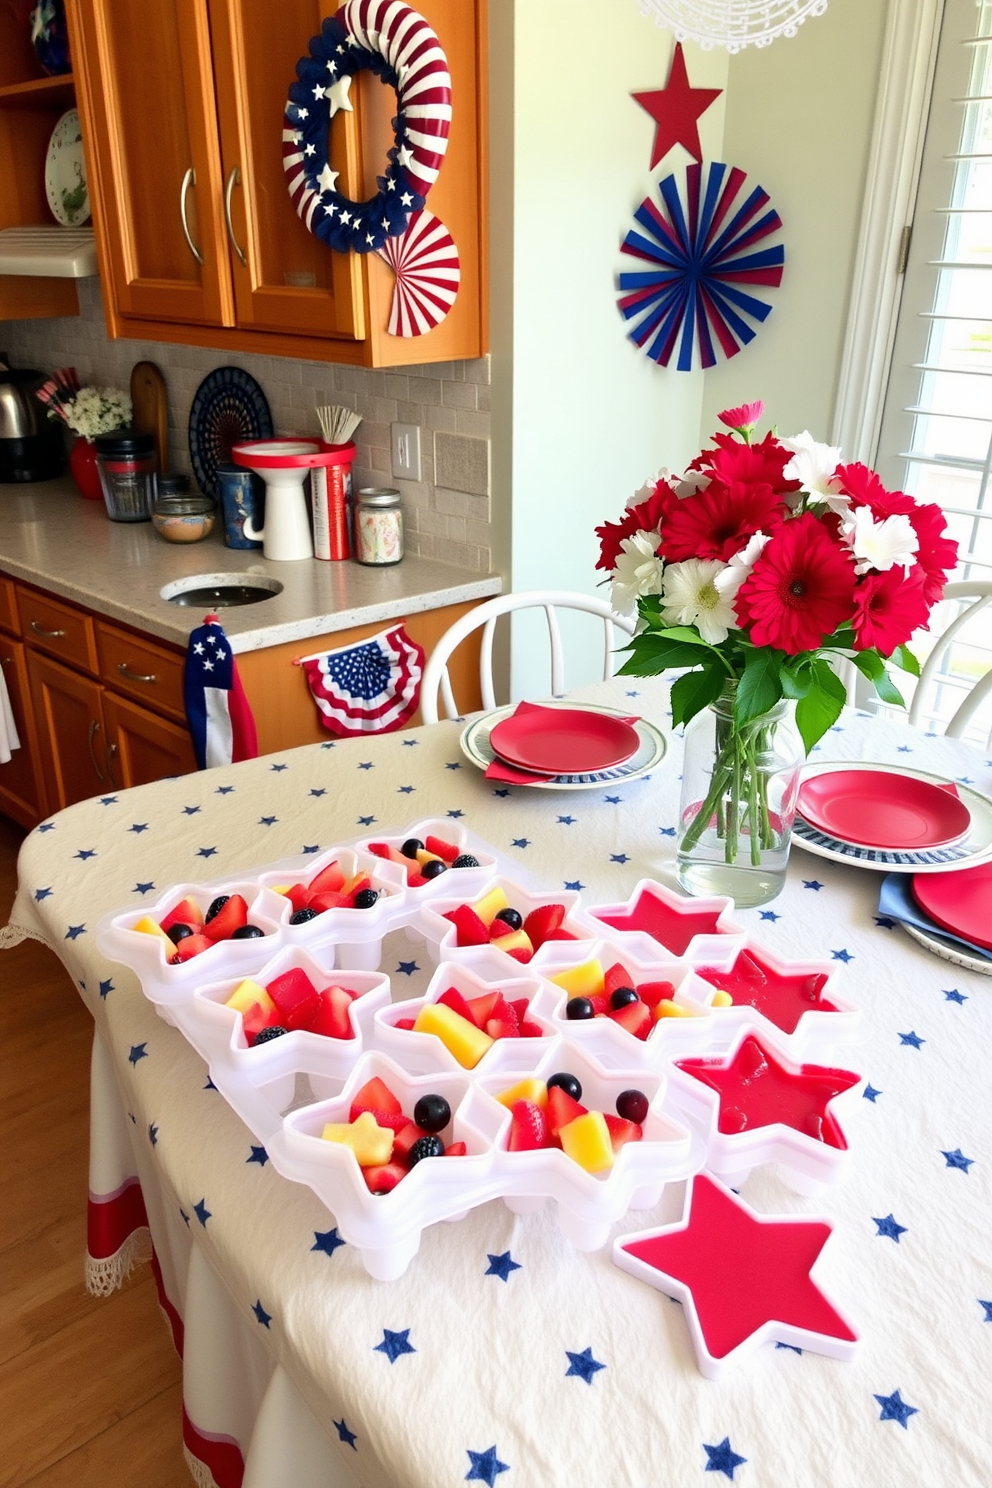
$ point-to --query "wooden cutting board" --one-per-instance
(151, 408)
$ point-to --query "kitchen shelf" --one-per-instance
(54, 92)
(49, 250)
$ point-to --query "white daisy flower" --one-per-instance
(637, 572)
(700, 592)
(812, 465)
(880, 545)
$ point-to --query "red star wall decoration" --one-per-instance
(675, 110)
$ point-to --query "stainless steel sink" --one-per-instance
(220, 591)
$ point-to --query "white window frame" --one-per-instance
(909, 55)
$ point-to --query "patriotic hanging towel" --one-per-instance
(219, 716)
(371, 688)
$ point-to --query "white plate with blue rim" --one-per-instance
(651, 750)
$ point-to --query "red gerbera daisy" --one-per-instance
(800, 589)
(717, 522)
(646, 516)
(865, 489)
(761, 463)
(888, 608)
(937, 555)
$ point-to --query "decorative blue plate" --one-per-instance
(229, 406)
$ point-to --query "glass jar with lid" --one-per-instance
(181, 515)
(378, 526)
(126, 461)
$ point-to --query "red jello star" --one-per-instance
(672, 928)
(756, 1090)
(741, 1276)
(783, 997)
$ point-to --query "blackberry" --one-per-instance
(465, 860)
(511, 917)
(365, 898)
(433, 869)
(622, 996)
(266, 1035)
(632, 1105)
(176, 933)
(566, 1082)
(432, 1112)
(216, 907)
(247, 932)
(577, 1008)
(302, 915)
(425, 1147)
(411, 847)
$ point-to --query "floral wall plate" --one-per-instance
(65, 173)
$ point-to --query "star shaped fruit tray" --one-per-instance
(680, 1044)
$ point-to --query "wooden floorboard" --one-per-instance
(90, 1388)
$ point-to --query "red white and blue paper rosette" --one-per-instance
(372, 687)
(425, 262)
(392, 40)
(705, 258)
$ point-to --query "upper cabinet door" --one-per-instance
(145, 81)
(285, 279)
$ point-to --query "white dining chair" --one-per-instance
(436, 676)
(979, 593)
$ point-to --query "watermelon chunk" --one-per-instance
(331, 1016)
(453, 999)
(562, 1109)
(375, 1094)
(330, 879)
(616, 976)
(299, 896)
(192, 946)
(446, 850)
(472, 929)
(383, 1177)
(186, 912)
(291, 989)
(621, 1131)
(405, 1137)
(542, 922)
(635, 1017)
(651, 993)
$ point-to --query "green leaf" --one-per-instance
(905, 660)
(760, 688)
(887, 690)
(822, 706)
(869, 664)
(796, 680)
(696, 690)
(653, 654)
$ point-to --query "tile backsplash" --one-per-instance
(447, 512)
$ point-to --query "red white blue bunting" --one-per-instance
(373, 687)
(702, 252)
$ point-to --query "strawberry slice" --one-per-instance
(562, 935)
(384, 1177)
(482, 1008)
(255, 1019)
(521, 954)
(651, 993)
(453, 999)
(331, 1018)
(520, 1006)
(406, 1134)
(299, 896)
(456, 1149)
(616, 976)
(562, 1109)
(375, 1095)
(389, 1120)
(379, 849)
(329, 878)
(503, 1011)
(416, 880)
(192, 946)
(446, 850)
(621, 1131)
(231, 917)
(528, 1128)
(542, 922)
(635, 1017)
(291, 991)
(329, 899)
(600, 1004)
(472, 930)
(530, 1029)
(186, 912)
(503, 1028)
(405, 1023)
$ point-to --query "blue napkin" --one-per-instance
(897, 902)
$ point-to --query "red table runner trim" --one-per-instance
(112, 1219)
(221, 1454)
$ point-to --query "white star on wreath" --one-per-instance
(328, 179)
(337, 95)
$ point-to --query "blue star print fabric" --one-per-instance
(505, 1355)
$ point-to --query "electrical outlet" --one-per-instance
(405, 441)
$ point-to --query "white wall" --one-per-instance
(580, 415)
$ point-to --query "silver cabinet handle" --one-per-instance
(94, 730)
(111, 751)
(51, 634)
(126, 672)
(234, 179)
(189, 179)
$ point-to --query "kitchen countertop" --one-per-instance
(52, 538)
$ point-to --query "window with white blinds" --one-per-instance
(936, 437)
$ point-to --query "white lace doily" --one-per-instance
(733, 24)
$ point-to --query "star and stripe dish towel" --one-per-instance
(371, 688)
(220, 719)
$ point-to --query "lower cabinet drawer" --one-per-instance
(141, 670)
(60, 629)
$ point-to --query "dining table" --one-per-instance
(503, 1353)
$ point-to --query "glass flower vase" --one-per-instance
(739, 788)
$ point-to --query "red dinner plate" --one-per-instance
(871, 808)
(959, 902)
(564, 741)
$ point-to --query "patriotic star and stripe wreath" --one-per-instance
(393, 41)
(705, 258)
(219, 715)
(371, 688)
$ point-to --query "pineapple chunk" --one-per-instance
(147, 926)
(460, 1037)
(246, 994)
(722, 998)
(529, 1089)
(582, 981)
(490, 905)
(586, 1140)
(371, 1143)
(666, 1008)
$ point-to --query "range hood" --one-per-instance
(48, 252)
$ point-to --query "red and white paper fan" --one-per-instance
(425, 261)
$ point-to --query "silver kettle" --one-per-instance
(31, 445)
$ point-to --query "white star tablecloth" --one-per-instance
(503, 1355)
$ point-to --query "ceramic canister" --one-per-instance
(241, 494)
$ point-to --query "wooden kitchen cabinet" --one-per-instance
(71, 732)
(21, 785)
(30, 107)
(182, 108)
(142, 747)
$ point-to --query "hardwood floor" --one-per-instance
(90, 1388)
